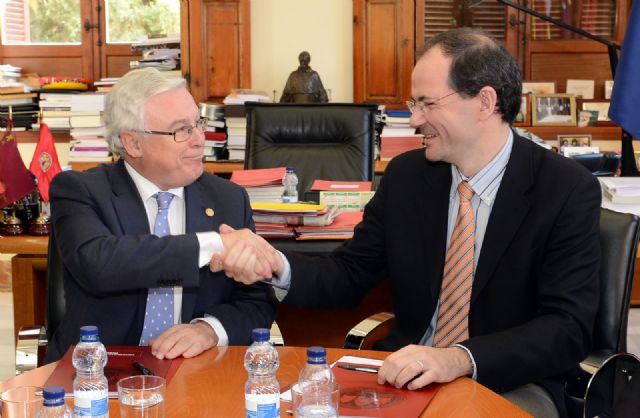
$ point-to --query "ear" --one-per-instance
(131, 144)
(488, 101)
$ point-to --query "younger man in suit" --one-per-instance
(136, 237)
(490, 242)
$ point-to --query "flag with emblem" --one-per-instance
(44, 164)
(15, 180)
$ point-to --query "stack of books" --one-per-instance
(105, 84)
(215, 137)
(9, 75)
(397, 135)
(624, 190)
(161, 53)
(56, 110)
(236, 121)
(22, 108)
(87, 129)
(274, 220)
(262, 185)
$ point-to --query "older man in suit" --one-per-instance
(490, 242)
(136, 237)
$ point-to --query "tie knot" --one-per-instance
(466, 193)
(164, 200)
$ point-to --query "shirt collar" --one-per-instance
(483, 182)
(146, 189)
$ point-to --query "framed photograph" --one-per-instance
(608, 89)
(539, 87)
(574, 140)
(523, 118)
(587, 118)
(553, 110)
(602, 106)
(581, 88)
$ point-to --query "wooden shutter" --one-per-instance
(16, 17)
(442, 15)
(598, 17)
(594, 16)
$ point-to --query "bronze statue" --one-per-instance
(303, 84)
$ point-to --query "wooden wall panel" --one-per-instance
(381, 51)
(118, 65)
(221, 33)
(45, 66)
(563, 66)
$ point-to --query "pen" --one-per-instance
(142, 369)
(359, 368)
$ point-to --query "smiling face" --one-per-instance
(159, 158)
(447, 124)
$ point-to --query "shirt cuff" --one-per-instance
(474, 375)
(223, 338)
(210, 243)
(281, 284)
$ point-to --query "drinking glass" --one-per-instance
(141, 396)
(21, 402)
(321, 400)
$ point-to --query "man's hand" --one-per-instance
(187, 340)
(425, 364)
(247, 257)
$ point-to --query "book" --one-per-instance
(119, 365)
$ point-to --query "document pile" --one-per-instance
(262, 185)
(285, 219)
(621, 189)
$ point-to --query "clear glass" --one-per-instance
(21, 402)
(41, 22)
(130, 20)
(142, 396)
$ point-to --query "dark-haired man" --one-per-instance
(490, 242)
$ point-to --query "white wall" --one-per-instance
(281, 29)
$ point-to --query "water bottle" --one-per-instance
(290, 183)
(317, 383)
(90, 388)
(262, 390)
(53, 404)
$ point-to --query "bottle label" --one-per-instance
(91, 403)
(262, 405)
(290, 199)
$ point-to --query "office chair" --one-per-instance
(328, 141)
(592, 162)
(619, 234)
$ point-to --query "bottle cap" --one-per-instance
(53, 395)
(260, 334)
(316, 355)
(89, 333)
(290, 169)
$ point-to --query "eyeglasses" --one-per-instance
(424, 106)
(181, 134)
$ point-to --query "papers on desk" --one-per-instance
(262, 185)
(625, 190)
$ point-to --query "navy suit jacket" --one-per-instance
(535, 291)
(110, 258)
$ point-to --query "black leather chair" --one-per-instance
(592, 162)
(619, 234)
(327, 141)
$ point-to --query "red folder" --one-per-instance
(361, 395)
(119, 365)
(258, 177)
(342, 186)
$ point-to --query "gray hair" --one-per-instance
(124, 108)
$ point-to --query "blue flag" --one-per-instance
(625, 99)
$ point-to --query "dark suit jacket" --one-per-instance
(535, 291)
(111, 259)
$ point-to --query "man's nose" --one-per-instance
(417, 119)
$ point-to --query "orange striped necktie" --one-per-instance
(455, 294)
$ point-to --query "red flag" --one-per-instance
(44, 164)
(15, 180)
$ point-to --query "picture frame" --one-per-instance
(608, 89)
(523, 118)
(574, 140)
(539, 87)
(584, 89)
(553, 110)
(602, 106)
(587, 118)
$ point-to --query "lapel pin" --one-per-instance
(209, 212)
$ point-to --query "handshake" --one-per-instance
(246, 257)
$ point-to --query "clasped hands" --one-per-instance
(246, 257)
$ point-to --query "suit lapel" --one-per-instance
(127, 202)
(434, 207)
(198, 207)
(509, 210)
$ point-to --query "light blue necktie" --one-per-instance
(159, 314)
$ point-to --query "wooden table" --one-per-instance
(212, 385)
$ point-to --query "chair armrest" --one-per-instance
(356, 335)
(30, 348)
